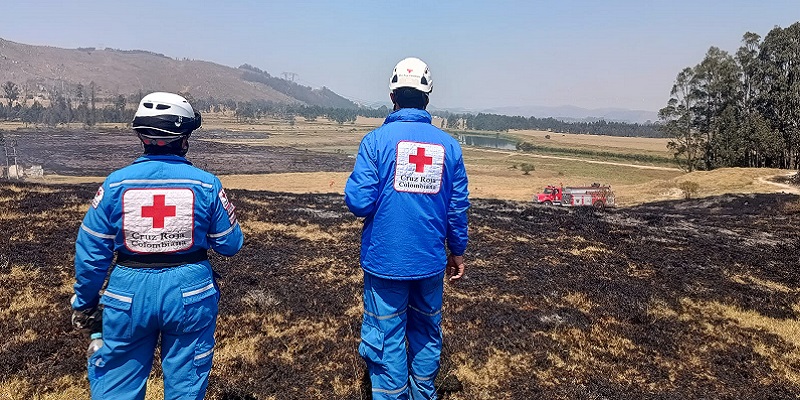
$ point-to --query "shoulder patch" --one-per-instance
(98, 197)
(228, 206)
(419, 167)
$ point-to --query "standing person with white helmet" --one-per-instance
(410, 185)
(160, 215)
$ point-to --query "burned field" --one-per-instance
(99, 153)
(673, 300)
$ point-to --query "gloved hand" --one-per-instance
(87, 319)
(90, 319)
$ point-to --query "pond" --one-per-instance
(487, 141)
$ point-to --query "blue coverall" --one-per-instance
(410, 185)
(160, 215)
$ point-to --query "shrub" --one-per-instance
(689, 189)
(527, 168)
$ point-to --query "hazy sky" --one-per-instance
(482, 54)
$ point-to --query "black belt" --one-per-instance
(160, 260)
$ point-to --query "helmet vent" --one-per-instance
(162, 107)
(424, 81)
(394, 79)
(148, 105)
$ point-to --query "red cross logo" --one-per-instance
(409, 70)
(158, 211)
(420, 160)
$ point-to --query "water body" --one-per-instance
(487, 141)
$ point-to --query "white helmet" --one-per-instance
(165, 115)
(411, 72)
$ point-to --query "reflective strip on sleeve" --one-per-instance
(383, 317)
(223, 233)
(396, 391)
(204, 355)
(198, 291)
(433, 314)
(97, 234)
(160, 181)
(119, 297)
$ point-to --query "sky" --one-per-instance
(481, 54)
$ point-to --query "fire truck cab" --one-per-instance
(551, 195)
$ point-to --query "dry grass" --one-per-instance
(712, 183)
(624, 145)
(298, 182)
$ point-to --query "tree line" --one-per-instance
(496, 122)
(739, 110)
(80, 105)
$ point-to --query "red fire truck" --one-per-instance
(596, 196)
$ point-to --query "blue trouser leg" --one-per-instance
(118, 371)
(188, 359)
(383, 337)
(424, 334)
(179, 304)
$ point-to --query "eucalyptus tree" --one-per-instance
(779, 96)
(678, 121)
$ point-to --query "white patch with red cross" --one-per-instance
(158, 220)
(419, 167)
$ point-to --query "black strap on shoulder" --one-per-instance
(159, 261)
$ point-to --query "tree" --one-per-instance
(677, 121)
(92, 115)
(12, 92)
(715, 88)
(119, 106)
(779, 95)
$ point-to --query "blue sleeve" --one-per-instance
(94, 251)
(361, 190)
(457, 231)
(225, 235)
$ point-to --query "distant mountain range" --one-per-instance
(573, 113)
(44, 71)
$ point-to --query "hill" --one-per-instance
(46, 70)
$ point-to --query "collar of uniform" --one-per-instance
(162, 157)
(409, 115)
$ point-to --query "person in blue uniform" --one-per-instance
(159, 215)
(410, 186)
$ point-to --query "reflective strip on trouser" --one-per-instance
(396, 313)
(179, 305)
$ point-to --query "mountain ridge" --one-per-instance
(46, 70)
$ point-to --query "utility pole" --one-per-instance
(289, 76)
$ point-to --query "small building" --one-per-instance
(35, 171)
(15, 172)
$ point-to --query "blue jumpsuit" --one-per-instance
(410, 185)
(160, 215)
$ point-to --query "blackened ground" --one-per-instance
(558, 303)
(99, 153)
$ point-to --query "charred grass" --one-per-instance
(671, 300)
